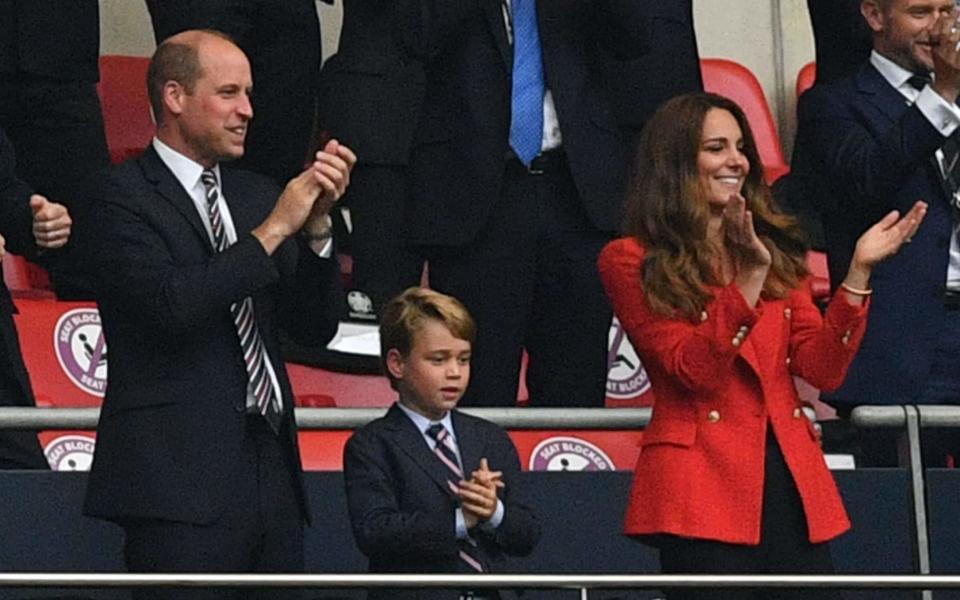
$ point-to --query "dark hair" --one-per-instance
(175, 60)
(667, 210)
(403, 317)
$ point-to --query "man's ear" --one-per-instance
(395, 363)
(873, 13)
(173, 97)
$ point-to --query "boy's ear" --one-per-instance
(395, 363)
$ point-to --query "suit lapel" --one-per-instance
(879, 93)
(409, 439)
(493, 9)
(167, 186)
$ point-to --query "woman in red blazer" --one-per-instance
(711, 287)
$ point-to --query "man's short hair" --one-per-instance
(404, 316)
(178, 61)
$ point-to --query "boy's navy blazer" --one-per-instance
(402, 512)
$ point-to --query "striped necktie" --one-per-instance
(254, 353)
(446, 450)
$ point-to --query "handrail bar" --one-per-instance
(104, 580)
(19, 417)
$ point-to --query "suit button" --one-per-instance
(787, 313)
(240, 407)
(713, 416)
(736, 342)
(788, 360)
(703, 316)
(797, 413)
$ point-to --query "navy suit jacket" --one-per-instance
(172, 424)
(464, 128)
(402, 512)
(869, 152)
(371, 91)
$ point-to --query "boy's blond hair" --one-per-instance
(403, 317)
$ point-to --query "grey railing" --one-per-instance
(354, 418)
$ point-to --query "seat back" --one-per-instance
(736, 82)
(806, 77)
(126, 109)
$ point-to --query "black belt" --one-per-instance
(546, 162)
(951, 299)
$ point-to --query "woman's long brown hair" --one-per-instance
(667, 211)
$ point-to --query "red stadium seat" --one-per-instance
(819, 275)
(126, 109)
(25, 279)
(736, 82)
(806, 77)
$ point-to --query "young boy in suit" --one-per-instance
(430, 489)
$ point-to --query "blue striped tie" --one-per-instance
(526, 98)
(251, 343)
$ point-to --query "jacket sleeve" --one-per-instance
(700, 355)
(16, 218)
(821, 349)
(380, 526)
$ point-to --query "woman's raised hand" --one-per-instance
(887, 236)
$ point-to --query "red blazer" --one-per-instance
(718, 384)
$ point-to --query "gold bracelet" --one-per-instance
(855, 291)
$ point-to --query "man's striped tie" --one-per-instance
(445, 449)
(254, 353)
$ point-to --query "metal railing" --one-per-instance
(910, 419)
(15, 417)
(582, 583)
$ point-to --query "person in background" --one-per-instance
(431, 489)
(710, 286)
(51, 113)
(371, 96)
(877, 141)
(517, 168)
(198, 268)
(34, 227)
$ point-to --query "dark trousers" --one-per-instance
(261, 531)
(383, 265)
(56, 129)
(784, 547)
(18, 449)
(530, 280)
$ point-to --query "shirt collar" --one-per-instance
(424, 423)
(186, 170)
(895, 75)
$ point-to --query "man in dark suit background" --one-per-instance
(841, 38)
(198, 267)
(517, 168)
(282, 40)
(50, 109)
(877, 141)
(31, 226)
(371, 93)
(420, 489)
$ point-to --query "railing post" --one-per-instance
(918, 487)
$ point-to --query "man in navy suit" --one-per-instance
(198, 266)
(420, 489)
(517, 168)
(878, 141)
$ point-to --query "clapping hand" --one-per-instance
(479, 495)
(741, 239)
(51, 223)
(887, 236)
